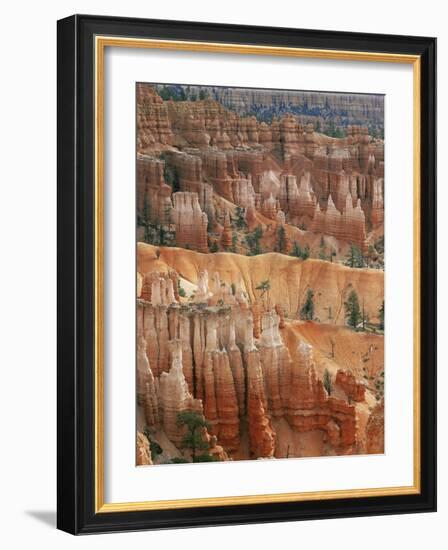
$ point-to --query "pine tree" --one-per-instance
(381, 315)
(327, 381)
(307, 310)
(253, 241)
(281, 239)
(352, 310)
(194, 438)
(296, 250)
(354, 257)
(240, 220)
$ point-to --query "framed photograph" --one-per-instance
(246, 274)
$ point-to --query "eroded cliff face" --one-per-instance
(199, 162)
(252, 384)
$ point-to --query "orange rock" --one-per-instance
(348, 383)
(153, 126)
(143, 454)
(226, 235)
(153, 193)
(146, 388)
(375, 430)
(191, 223)
(310, 408)
(261, 432)
(174, 396)
(348, 226)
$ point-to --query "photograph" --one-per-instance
(260, 264)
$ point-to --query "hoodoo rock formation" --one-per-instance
(190, 221)
(207, 357)
(198, 161)
(257, 223)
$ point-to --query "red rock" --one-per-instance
(310, 408)
(348, 383)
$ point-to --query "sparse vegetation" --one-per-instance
(307, 310)
(181, 290)
(194, 438)
(352, 310)
(332, 345)
(264, 287)
(296, 250)
(327, 381)
(253, 241)
(281, 239)
(240, 218)
(374, 382)
(154, 447)
(354, 257)
(234, 242)
(381, 316)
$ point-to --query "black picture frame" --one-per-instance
(76, 226)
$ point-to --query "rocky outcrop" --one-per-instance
(354, 390)
(160, 288)
(190, 221)
(275, 363)
(153, 193)
(143, 452)
(310, 407)
(348, 226)
(189, 176)
(375, 430)
(147, 390)
(153, 126)
(262, 437)
(377, 208)
(226, 235)
(297, 200)
(174, 396)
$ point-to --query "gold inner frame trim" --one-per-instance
(101, 42)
